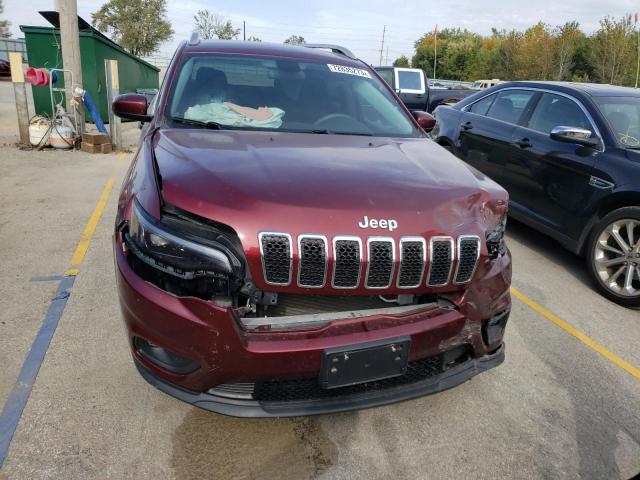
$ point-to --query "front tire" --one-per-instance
(613, 256)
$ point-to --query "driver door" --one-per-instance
(548, 179)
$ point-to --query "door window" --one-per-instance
(387, 75)
(410, 81)
(481, 107)
(556, 110)
(509, 105)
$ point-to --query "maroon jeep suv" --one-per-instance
(289, 241)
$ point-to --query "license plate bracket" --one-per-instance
(367, 362)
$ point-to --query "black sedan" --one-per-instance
(569, 155)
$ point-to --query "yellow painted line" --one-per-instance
(612, 357)
(83, 245)
(71, 272)
(90, 228)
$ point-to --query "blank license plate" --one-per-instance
(364, 363)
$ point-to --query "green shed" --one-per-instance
(43, 50)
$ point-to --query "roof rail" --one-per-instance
(334, 48)
(194, 39)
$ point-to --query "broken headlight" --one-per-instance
(495, 240)
(191, 266)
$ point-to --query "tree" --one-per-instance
(295, 40)
(139, 26)
(612, 50)
(4, 24)
(568, 37)
(211, 25)
(535, 53)
(254, 39)
(402, 62)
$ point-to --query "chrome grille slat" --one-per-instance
(277, 257)
(381, 260)
(441, 255)
(312, 271)
(347, 262)
(468, 253)
(413, 259)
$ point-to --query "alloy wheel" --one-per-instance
(617, 257)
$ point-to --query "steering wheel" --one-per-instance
(628, 140)
(334, 116)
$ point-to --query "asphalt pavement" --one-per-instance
(565, 404)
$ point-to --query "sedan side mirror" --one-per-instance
(576, 135)
(426, 121)
(132, 106)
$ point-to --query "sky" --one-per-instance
(357, 25)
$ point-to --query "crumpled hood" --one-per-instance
(323, 184)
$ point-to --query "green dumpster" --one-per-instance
(43, 49)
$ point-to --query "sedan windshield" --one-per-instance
(623, 116)
(245, 92)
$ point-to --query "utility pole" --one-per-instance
(386, 59)
(382, 45)
(244, 30)
(435, 51)
(638, 64)
(70, 42)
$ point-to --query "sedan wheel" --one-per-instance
(615, 258)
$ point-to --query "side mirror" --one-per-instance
(426, 121)
(575, 135)
(131, 106)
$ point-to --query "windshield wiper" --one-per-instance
(199, 123)
(332, 132)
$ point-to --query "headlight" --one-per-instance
(180, 255)
(495, 240)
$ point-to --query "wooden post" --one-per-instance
(113, 90)
(70, 42)
(20, 93)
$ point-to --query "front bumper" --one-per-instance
(227, 354)
(339, 403)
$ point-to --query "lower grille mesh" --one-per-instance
(309, 389)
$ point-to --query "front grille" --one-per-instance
(381, 261)
(468, 250)
(276, 257)
(313, 261)
(441, 261)
(412, 261)
(309, 389)
(347, 254)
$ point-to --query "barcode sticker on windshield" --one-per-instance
(358, 72)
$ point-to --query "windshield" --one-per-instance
(244, 92)
(623, 116)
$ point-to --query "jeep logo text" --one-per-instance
(382, 223)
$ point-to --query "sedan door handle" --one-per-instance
(524, 143)
(419, 95)
(467, 126)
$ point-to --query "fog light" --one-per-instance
(493, 329)
(164, 358)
